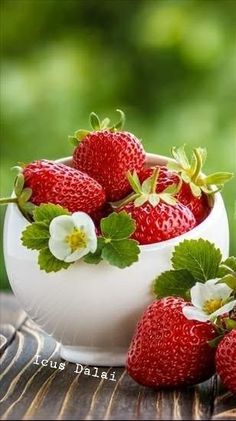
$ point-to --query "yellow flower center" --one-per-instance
(77, 239)
(212, 305)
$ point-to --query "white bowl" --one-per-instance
(92, 310)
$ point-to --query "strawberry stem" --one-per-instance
(6, 200)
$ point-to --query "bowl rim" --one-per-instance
(152, 160)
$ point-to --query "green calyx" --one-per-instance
(146, 192)
(98, 125)
(22, 195)
(191, 171)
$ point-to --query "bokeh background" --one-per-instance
(170, 64)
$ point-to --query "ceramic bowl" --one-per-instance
(92, 310)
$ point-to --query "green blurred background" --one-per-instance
(170, 64)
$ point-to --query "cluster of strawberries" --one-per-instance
(109, 173)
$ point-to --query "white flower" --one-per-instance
(209, 301)
(72, 236)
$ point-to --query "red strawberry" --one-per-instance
(59, 184)
(168, 350)
(165, 177)
(158, 216)
(199, 206)
(226, 360)
(107, 155)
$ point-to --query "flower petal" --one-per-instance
(59, 249)
(224, 309)
(83, 220)
(198, 295)
(193, 313)
(78, 254)
(61, 226)
(201, 293)
(92, 242)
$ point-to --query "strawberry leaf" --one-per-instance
(47, 212)
(174, 282)
(49, 263)
(227, 267)
(229, 280)
(200, 257)
(35, 236)
(121, 253)
(117, 226)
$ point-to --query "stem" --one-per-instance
(6, 200)
(125, 201)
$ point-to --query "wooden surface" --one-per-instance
(34, 392)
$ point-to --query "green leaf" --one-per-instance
(229, 280)
(174, 282)
(121, 253)
(227, 267)
(105, 123)
(195, 189)
(218, 178)
(200, 257)
(73, 140)
(117, 226)
(141, 200)
(35, 236)
(180, 156)
(47, 212)
(230, 324)
(174, 166)
(134, 182)
(120, 123)
(167, 198)
(81, 134)
(95, 122)
(153, 199)
(147, 185)
(49, 263)
(95, 258)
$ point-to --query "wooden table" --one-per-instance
(35, 392)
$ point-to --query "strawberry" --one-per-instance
(168, 350)
(226, 360)
(59, 184)
(165, 177)
(199, 206)
(158, 216)
(196, 186)
(107, 155)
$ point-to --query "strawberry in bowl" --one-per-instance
(82, 264)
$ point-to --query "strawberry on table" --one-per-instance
(226, 360)
(168, 350)
(158, 216)
(107, 154)
(59, 184)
